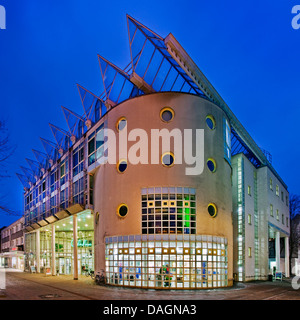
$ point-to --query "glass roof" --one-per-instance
(75, 122)
(117, 84)
(153, 63)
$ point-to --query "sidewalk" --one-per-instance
(38, 286)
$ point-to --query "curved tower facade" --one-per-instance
(171, 220)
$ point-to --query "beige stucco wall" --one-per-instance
(112, 188)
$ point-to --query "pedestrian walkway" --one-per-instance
(39, 286)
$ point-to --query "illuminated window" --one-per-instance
(249, 252)
(271, 184)
(167, 114)
(96, 145)
(78, 160)
(277, 214)
(249, 218)
(168, 210)
(277, 190)
(227, 140)
(166, 261)
(249, 190)
(271, 210)
(78, 191)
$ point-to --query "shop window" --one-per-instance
(161, 262)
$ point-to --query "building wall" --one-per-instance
(12, 236)
(12, 245)
(112, 188)
(255, 201)
(244, 189)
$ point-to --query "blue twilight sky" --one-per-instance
(248, 50)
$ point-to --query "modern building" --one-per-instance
(157, 184)
(12, 245)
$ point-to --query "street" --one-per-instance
(26, 286)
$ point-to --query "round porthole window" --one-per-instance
(212, 210)
(122, 166)
(167, 159)
(121, 124)
(211, 164)
(122, 210)
(167, 114)
(210, 121)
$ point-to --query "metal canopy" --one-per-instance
(51, 149)
(42, 158)
(117, 84)
(239, 146)
(75, 123)
(34, 166)
(152, 62)
(61, 137)
(94, 107)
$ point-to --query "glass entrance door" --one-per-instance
(61, 265)
(68, 266)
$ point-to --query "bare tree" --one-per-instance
(6, 151)
(294, 225)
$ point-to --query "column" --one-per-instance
(53, 257)
(287, 257)
(277, 250)
(38, 251)
(75, 249)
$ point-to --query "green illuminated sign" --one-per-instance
(82, 243)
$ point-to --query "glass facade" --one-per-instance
(168, 210)
(64, 252)
(166, 261)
